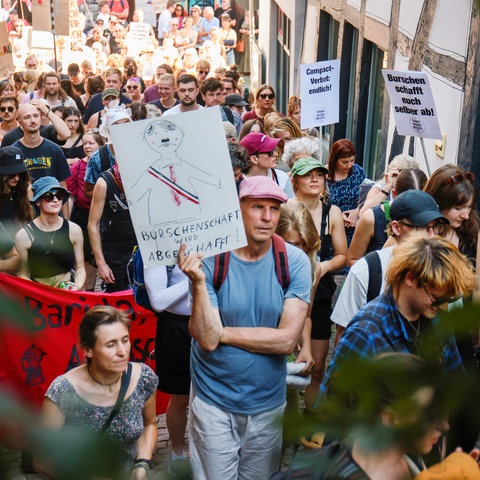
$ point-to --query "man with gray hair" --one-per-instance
(209, 21)
(240, 342)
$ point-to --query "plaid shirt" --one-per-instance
(379, 327)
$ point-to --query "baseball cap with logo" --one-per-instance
(257, 142)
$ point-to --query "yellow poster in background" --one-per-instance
(6, 58)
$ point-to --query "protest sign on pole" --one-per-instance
(412, 103)
(6, 58)
(179, 183)
(42, 16)
(319, 93)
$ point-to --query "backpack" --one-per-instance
(104, 158)
(122, 3)
(220, 271)
(137, 283)
(374, 275)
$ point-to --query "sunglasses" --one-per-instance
(440, 301)
(264, 96)
(49, 196)
(7, 109)
(132, 87)
(270, 154)
(461, 177)
(204, 72)
(437, 229)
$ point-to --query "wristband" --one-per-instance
(385, 192)
(143, 460)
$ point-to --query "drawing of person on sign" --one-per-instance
(173, 175)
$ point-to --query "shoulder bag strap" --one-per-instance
(121, 396)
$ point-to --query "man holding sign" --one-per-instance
(240, 342)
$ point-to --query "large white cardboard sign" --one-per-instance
(412, 103)
(319, 93)
(179, 183)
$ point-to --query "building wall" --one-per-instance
(439, 37)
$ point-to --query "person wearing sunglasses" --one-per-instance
(8, 114)
(134, 89)
(425, 274)
(264, 104)
(454, 190)
(412, 210)
(51, 247)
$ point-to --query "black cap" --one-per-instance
(11, 161)
(418, 207)
(235, 99)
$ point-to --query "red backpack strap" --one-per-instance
(281, 261)
(220, 270)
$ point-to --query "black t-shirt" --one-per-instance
(47, 132)
(45, 160)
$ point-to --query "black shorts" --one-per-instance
(172, 353)
(321, 322)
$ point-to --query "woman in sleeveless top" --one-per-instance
(85, 396)
(370, 233)
(73, 148)
(308, 178)
(51, 247)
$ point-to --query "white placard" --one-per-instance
(319, 93)
(179, 183)
(412, 103)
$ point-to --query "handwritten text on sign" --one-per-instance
(412, 103)
(320, 93)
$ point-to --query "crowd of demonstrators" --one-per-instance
(53, 129)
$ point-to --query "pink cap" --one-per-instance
(257, 142)
(260, 186)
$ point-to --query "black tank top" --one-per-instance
(116, 224)
(379, 226)
(51, 253)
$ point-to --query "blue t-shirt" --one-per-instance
(234, 379)
(94, 166)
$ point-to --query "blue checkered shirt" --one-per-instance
(379, 327)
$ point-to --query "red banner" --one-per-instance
(30, 360)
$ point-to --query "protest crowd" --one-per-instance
(337, 268)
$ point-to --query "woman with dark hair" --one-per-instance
(15, 190)
(179, 13)
(139, 110)
(85, 396)
(264, 103)
(73, 147)
(67, 86)
(370, 233)
(93, 84)
(50, 247)
(344, 180)
(454, 190)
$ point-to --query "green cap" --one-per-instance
(304, 165)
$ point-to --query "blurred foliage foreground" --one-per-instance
(83, 455)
